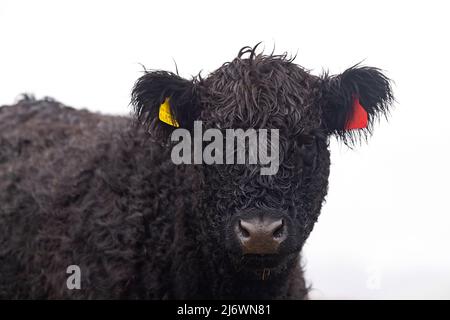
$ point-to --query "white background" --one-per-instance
(384, 231)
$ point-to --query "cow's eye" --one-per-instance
(298, 150)
(308, 150)
(306, 139)
(309, 153)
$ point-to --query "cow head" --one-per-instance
(262, 221)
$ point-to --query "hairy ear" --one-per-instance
(353, 101)
(163, 101)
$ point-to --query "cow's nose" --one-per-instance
(262, 235)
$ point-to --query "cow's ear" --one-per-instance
(163, 101)
(353, 100)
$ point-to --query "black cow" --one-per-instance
(102, 193)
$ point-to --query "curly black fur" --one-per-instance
(369, 85)
(101, 192)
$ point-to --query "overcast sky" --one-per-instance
(384, 231)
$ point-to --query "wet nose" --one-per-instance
(262, 235)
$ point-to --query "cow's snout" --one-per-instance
(260, 235)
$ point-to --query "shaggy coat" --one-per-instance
(100, 192)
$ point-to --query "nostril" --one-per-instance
(260, 235)
(279, 231)
(243, 231)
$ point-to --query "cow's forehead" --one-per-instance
(266, 91)
(260, 69)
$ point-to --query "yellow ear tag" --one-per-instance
(165, 115)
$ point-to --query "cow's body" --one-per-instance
(78, 188)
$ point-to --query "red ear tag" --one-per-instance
(359, 118)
